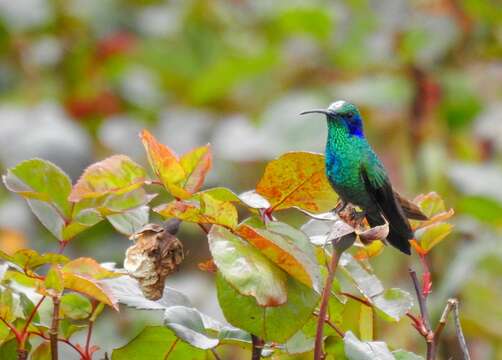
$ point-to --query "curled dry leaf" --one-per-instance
(155, 254)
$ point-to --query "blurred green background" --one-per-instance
(80, 78)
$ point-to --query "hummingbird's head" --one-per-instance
(344, 113)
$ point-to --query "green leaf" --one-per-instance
(297, 179)
(157, 343)
(6, 305)
(67, 328)
(188, 326)
(431, 235)
(42, 352)
(430, 204)
(117, 175)
(30, 259)
(287, 247)
(277, 323)
(130, 221)
(75, 306)
(406, 355)
(54, 279)
(28, 307)
(390, 304)
(41, 180)
(8, 349)
(366, 323)
(356, 349)
(243, 266)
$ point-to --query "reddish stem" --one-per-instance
(426, 277)
(323, 309)
(66, 341)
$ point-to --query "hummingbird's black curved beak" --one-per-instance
(318, 111)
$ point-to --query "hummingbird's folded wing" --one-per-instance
(411, 210)
(378, 186)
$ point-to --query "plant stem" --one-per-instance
(424, 314)
(442, 321)
(88, 339)
(22, 354)
(67, 342)
(53, 331)
(460, 333)
(319, 340)
(257, 347)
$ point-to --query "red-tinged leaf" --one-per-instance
(417, 247)
(89, 267)
(196, 164)
(440, 217)
(117, 175)
(297, 179)
(166, 165)
(287, 247)
(207, 210)
(89, 287)
(431, 235)
(243, 266)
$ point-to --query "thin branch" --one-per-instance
(215, 354)
(424, 314)
(66, 341)
(444, 318)
(257, 347)
(32, 314)
(53, 331)
(12, 328)
(421, 299)
(319, 340)
(460, 333)
(357, 298)
(336, 328)
(88, 339)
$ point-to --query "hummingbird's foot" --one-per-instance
(340, 206)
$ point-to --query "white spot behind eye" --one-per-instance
(336, 105)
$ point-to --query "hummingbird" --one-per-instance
(358, 176)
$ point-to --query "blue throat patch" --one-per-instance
(355, 127)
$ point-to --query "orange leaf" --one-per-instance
(287, 247)
(297, 179)
(165, 164)
(196, 164)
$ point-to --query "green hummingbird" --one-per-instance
(358, 176)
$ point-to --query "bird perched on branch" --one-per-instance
(356, 173)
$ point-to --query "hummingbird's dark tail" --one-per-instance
(398, 236)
